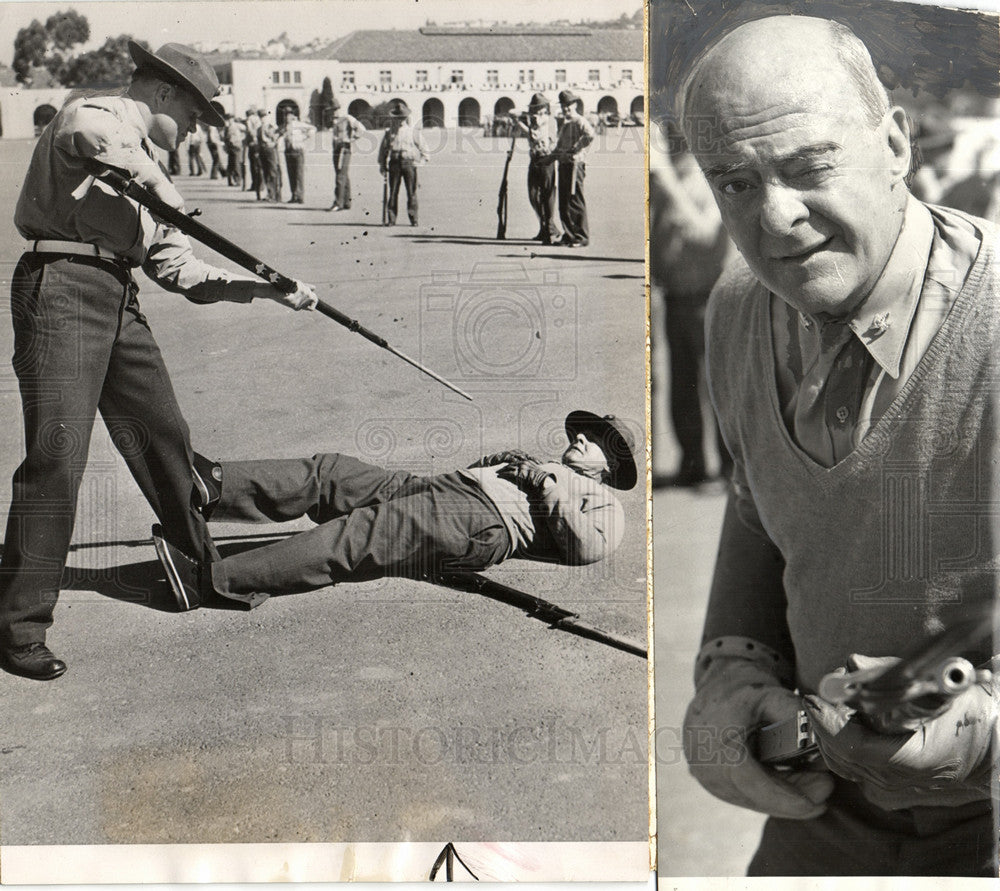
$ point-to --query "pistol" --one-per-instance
(889, 699)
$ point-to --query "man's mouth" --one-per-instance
(798, 255)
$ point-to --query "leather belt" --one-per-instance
(80, 248)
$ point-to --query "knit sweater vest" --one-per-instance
(885, 547)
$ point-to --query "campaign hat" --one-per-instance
(399, 109)
(568, 97)
(181, 65)
(538, 102)
(615, 440)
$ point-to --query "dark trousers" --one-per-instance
(295, 163)
(81, 345)
(856, 838)
(542, 195)
(253, 158)
(269, 172)
(234, 166)
(196, 166)
(372, 523)
(572, 204)
(213, 152)
(406, 172)
(341, 173)
(689, 402)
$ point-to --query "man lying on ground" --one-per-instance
(374, 522)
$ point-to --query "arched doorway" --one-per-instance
(43, 114)
(504, 105)
(362, 111)
(433, 113)
(284, 107)
(638, 110)
(468, 112)
(607, 105)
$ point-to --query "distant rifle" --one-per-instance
(502, 202)
(535, 607)
(889, 699)
(385, 198)
(121, 181)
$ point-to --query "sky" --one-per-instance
(162, 21)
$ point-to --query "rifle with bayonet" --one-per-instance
(502, 201)
(121, 181)
(889, 699)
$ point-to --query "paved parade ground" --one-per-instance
(386, 711)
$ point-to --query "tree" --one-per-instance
(29, 50)
(44, 46)
(109, 66)
(326, 104)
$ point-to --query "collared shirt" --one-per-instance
(407, 141)
(574, 519)
(235, 133)
(896, 322)
(296, 133)
(347, 128)
(542, 136)
(575, 134)
(60, 200)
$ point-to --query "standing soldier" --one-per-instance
(234, 137)
(196, 165)
(267, 142)
(214, 142)
(346, 129)
(296, 133)
(575, 134)
(81, 343)
(253, 149)
(541, 132)
(402, 149)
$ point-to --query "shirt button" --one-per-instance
(843, 413)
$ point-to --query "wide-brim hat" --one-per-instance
(615, 440)
(185, 67)
(568, 97)
(335, 105)
(537, 103)
(399, 109)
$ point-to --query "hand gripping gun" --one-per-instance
(889, 699)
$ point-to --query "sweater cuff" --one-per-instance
(735, 647)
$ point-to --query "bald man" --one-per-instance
(851, 360)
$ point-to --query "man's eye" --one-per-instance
(734, 187)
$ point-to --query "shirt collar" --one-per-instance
(882, 321)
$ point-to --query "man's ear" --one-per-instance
(897, 133)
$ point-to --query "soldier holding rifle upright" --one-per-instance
(541, 132)
(401, 151)
(81, 342)
(852, 363)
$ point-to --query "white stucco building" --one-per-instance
(449, 76)
(453, 76)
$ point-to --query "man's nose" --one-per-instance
(781, 208)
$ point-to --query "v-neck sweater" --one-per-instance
(887, 545)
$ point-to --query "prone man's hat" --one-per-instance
(615, 440)
(399, 109)
(537, 103)
(181, 65)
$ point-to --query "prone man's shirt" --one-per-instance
(60, 200)
(573, 520)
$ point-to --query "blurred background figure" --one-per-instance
(688, 249)
(196, 163)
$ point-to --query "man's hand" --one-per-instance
(527, 474)
(513, 456)
(168, 194)
(303, 297)
(735, 697)
(937, 761)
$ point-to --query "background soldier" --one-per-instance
(402, 149)
(295, 133)
(575, 134)
(542, 136)
(346, 129)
